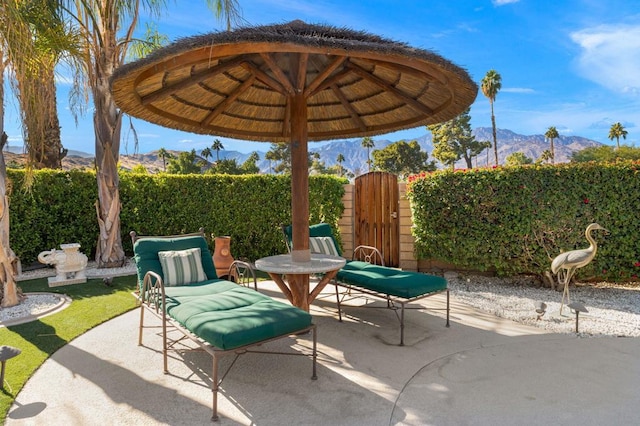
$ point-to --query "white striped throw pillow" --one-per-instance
(181, 267)
(323, 245)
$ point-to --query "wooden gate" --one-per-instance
(376, 214)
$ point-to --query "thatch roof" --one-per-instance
(240, 84)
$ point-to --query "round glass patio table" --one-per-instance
(293, 277)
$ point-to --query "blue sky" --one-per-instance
(572, 64)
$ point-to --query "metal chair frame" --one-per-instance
(152, 298)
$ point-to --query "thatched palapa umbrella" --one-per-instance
(293, 83)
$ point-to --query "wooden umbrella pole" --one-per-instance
(299, 179)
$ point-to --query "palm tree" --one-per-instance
(107, 28)
(101, 23)
(229, 10)
(24, 36)
(491, 85)
(206, 153)
(7, 256)
(368, 143)
(164, 154)
(217, 146)
(271, 156)
(340, 159)
(617, 130)
(551, 134)
(546, 155)
(35, 39)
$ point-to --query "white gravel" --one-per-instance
(92, 271)
(614, 310)
(33, 305)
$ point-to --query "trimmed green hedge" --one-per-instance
(60, 208)
(515, 220)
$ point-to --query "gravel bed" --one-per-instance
(92, 271)
(614, 310)
(32, 305)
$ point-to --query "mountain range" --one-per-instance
(356, 156)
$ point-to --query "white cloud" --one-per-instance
(584, 119)
(460, 28)
(503, 2)
(610, 56)
(606, 122)
(517, 90)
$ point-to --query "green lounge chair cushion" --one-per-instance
(394, 282)
(317, 230)
(229, 316)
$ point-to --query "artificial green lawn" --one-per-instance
(92, 303)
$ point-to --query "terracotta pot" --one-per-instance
(222, 258)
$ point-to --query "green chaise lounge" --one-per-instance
(363, 275)
(178, 283)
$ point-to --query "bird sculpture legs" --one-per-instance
(564, 278)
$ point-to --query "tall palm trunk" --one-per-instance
(495, 138)
(52, 153)
(107, 124)
(53, 142)
(9, 263)
(37, 97)
(9, 291)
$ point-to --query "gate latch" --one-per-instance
(394, 215)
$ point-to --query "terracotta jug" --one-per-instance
(222, 258)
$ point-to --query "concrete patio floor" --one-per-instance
(483, 370)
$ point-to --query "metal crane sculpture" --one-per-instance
(565, 264)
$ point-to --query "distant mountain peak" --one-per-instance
(356, 156)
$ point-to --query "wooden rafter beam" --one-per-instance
(413, 103)
(219, 109)
(190, 81)
(278, 72)
(301, 78)
(324, 74)
(329, 81)
(345, 103)
(264, 77)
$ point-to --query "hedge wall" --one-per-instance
(60, 208)
(515, 220)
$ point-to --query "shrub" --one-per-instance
(60, 208)
(515, 220)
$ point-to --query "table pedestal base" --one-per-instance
(297, 288)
